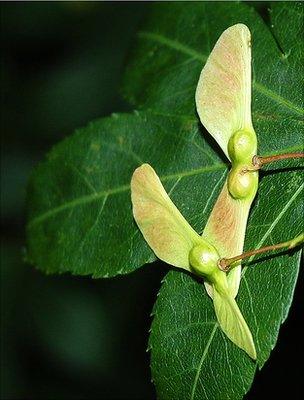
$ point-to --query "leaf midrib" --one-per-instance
(120, 189)
(123, 188)
(275, 222)
(204, 355)
(180, 47)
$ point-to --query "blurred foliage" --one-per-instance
(64, 337)
(61, 67)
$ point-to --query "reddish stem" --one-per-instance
(225, 263)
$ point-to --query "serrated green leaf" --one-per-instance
(80, 215)
(177, 39)
(73, 228)
(80, 218)
(191, 359)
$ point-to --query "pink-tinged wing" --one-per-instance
(164, 228)
(225, 230)
(223, 94)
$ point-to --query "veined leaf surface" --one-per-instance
(80, 217)
(191, 358)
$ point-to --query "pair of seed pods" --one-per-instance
(223, 101)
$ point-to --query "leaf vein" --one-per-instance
(186, 327)
(252, 310)
(120, 189)
(176, 45)
(80, 247)
(277, 98)
(275, 222)
(173, 44)
(204, 355)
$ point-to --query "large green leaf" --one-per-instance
(177, 39)
(191, 358)
(79, 202)
(80, 218)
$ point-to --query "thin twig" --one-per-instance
(258, 161)
(225, 264)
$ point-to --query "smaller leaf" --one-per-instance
(232, 321)
(223, 94)
(164, 228)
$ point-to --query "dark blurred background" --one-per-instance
(65, 337)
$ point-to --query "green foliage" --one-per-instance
(80, 218)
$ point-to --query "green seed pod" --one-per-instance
(203, 259)
(242, 146)
(242, 185)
